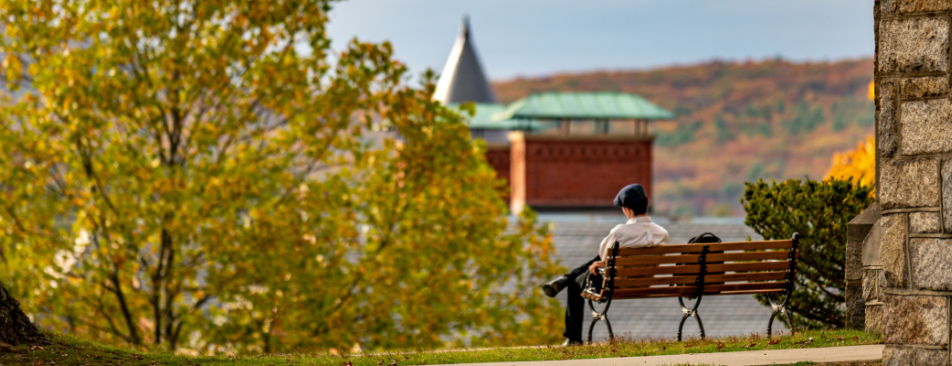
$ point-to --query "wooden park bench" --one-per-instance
(698, 270)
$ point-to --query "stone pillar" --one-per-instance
(857, 231)
(914, 189)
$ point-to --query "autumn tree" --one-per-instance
(211, 175)
(858, 164)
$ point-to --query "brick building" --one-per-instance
(559, 151)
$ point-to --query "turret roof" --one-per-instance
(463, 79)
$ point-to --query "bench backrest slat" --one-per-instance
(656, 259)
(726, 267)
(693, 258)
(687, 248)
(757, 276)
(748, 266)
(748, 256)
(660, 270)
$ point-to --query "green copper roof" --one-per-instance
(485, 119)
(591, 106)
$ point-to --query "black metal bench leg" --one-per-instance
(773, 315)
(596, 316)
(690, 314)
(778, 309)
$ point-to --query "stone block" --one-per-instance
(871, 285)
(887, 7)
(893, 250)
(915, 320)
(854, 260)
(880, 284)
(917, 45)
(932, 86)
(888, 126)
(926, 127)
(917, 6)
(913, 356)
(932, 263)
(874, 318)
(855, 306)
(924, 223)
(913, 183)
(947, 194)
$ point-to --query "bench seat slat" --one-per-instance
(748, 292)
(629, 294)
(690, 248)
(744, 287)
(654, 292)
(685, 280)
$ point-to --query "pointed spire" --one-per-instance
(463, 79)
(464, 30)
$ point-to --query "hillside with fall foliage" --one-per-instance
(736, 122)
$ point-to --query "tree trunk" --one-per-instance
(15, 326)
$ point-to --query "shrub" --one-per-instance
(819, 211)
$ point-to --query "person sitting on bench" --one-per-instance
(639, 231)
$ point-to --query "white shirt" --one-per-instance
(636, 233)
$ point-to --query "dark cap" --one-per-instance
(633, 196)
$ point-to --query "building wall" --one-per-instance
(498, 157)
(914, 150)
(576, 171)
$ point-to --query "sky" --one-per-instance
(535, 38)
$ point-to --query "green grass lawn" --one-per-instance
(67, 350)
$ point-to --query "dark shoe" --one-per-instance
(555, 286)
(569, 343)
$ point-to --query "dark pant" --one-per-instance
(575, 311)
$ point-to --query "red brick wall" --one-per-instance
(498, 158)
(582, 171)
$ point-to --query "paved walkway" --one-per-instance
(745, 358)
